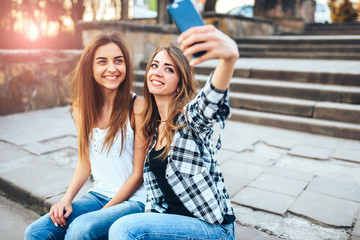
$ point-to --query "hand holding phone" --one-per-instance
(185, 16)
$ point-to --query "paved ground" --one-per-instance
(14, 219)
(299, 65)
(283, 184)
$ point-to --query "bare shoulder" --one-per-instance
(139, 105)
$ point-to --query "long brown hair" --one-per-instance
(87, 97)
(187, 92)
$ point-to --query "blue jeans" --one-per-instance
(87, 221)
(167, 226)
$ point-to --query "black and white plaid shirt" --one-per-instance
(192, 170)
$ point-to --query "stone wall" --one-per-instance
(239, 26)
(35, 79)
(288, 15)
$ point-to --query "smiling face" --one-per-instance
(162, 77)
(109, 67)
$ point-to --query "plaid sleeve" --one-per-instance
(209, 106)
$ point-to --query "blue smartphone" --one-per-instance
(185, 16)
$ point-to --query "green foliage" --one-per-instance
(342, 11)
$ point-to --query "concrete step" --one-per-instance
(310, 76)
(300, 55)
(338, 112)
(308, 47)
(301, 39)
(344, 79)
(334, 48)
(138, 88)
(332, 29)
(316, 126)
(330, 32)
(139, 76)
(296, 107)
(308, 91)
(281, 105)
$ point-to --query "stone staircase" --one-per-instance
(344, 47)
(315, 102)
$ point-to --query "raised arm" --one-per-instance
(217, 46)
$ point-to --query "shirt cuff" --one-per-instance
(213, 94)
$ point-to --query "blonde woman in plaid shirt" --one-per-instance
(186, 196)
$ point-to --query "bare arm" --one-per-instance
(217, 46)
(62, 210)
(133, 183)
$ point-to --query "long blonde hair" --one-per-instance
(87, 97)
(187, 92)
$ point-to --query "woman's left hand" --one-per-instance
(215, 43)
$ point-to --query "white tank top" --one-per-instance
(110, 171)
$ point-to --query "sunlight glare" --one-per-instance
(33, 32)
(52, 29)
(67, 24)
(19, 22)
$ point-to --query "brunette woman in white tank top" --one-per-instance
(110, 143)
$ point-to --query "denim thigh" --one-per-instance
(44, 228)
(168, 226)
(96, 224)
